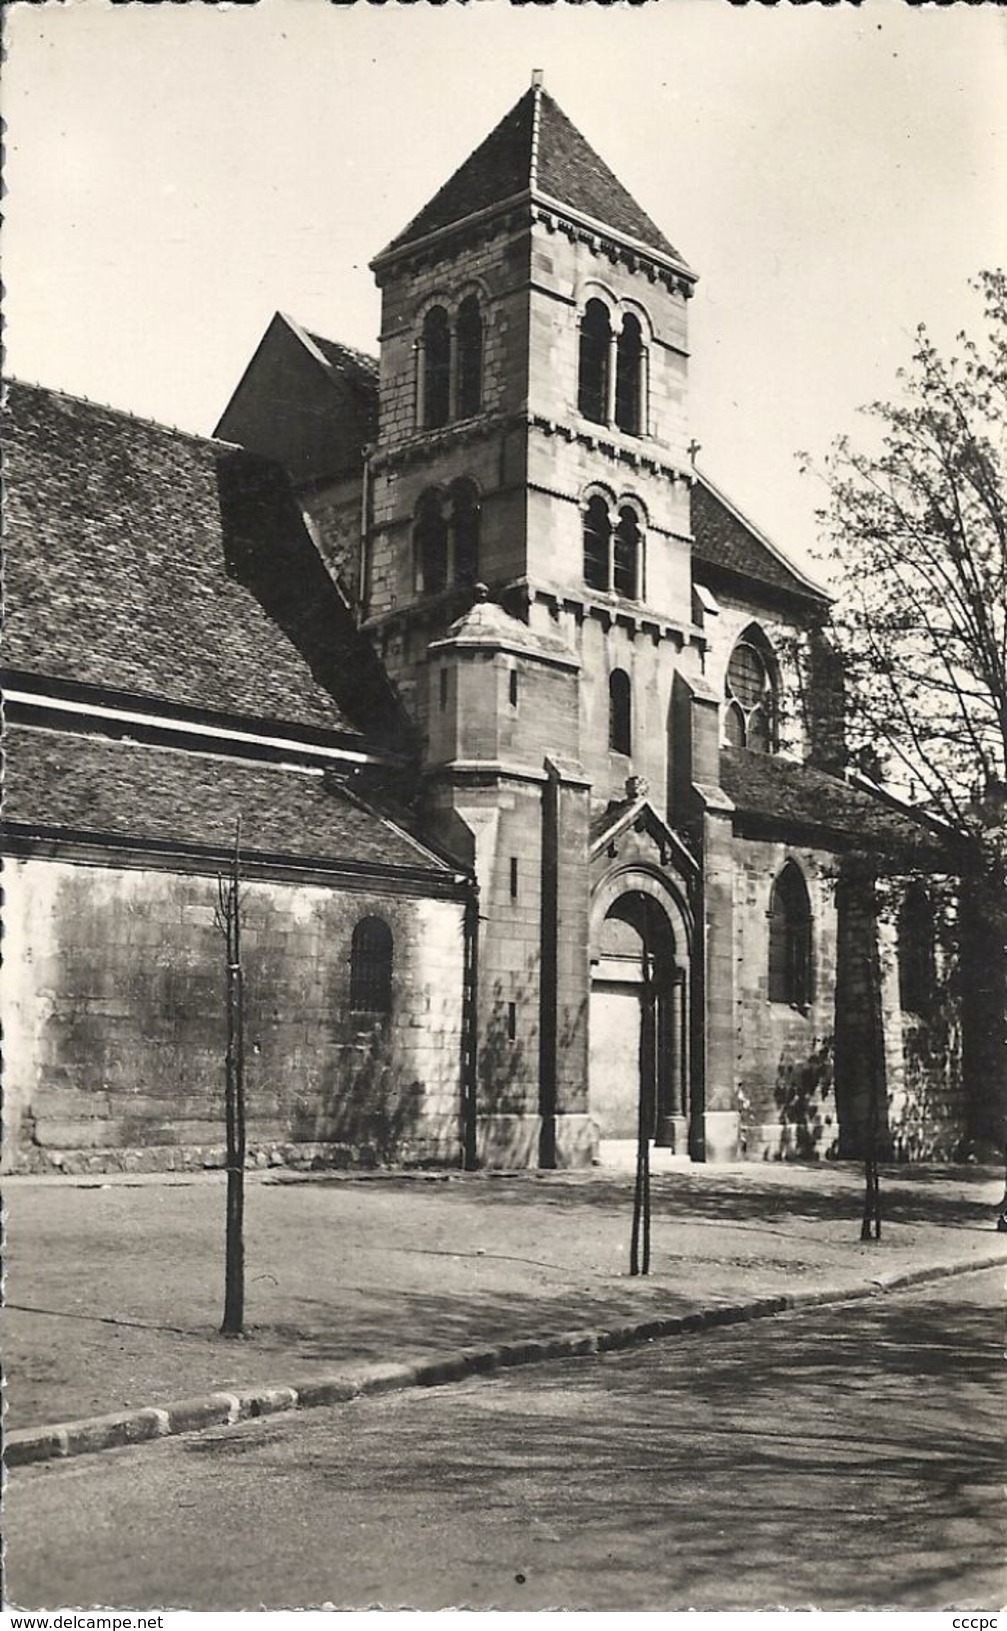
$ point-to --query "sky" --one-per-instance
(177, 173)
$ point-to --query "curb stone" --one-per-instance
(24, 1446)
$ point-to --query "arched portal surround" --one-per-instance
(640, 1014)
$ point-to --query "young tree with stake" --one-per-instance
(228, 920)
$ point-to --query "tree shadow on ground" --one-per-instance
(850, 1459)
(907, 1197)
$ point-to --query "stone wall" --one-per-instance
(784, 1055)
(335, 517)
(114, 992)
(806, 1079)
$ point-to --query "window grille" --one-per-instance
(371, 967)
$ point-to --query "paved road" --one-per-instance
(843, 1458)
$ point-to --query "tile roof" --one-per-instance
(140, 559)
(98, 788)
(535, 147)
(790, 796)
(344, 365)
(723, 538)
(356, 366)
(356, 369)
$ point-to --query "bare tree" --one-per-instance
(916, 523)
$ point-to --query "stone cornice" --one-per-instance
(633, 451)
(423, 444)
(613, 445)
(532, 207)
(609, 610)
(509, 215)
(486, 771)
(616, 246)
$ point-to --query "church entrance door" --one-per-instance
(616, 1033)
(638, 1027)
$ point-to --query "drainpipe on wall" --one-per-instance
(548, 969)
(363, 585)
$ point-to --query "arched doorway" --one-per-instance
(639, 1023)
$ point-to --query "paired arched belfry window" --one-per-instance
(612, 373)
(620, 712)
(451, 364)
(917, 966)
(750, 694)
(371, 968)
(613, 548)
(446, 538)
(790, 963)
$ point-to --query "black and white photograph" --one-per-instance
(504, 983)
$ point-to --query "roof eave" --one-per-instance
(402, 246)
(808, 585)
(639, 246)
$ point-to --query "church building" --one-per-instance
(536, 741)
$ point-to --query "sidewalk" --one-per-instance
(114, 1285)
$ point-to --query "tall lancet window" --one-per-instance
(626, 555)
(620, 712)
(790, 969)
(469, 334)
(629, 377)
(436, 368)
(597, 543)
(595, 342)
(430, 545)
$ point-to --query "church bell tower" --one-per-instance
(527, 577)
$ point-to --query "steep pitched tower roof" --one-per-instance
(535, 154)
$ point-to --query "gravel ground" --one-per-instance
(114, 1286)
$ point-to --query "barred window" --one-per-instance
(371, 967)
